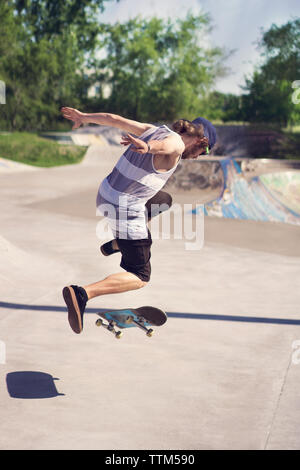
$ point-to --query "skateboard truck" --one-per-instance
(110, 327)
(118, 334)
(140, 322)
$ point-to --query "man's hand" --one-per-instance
(74, 115)
(139, 145)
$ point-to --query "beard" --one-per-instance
(192, 152)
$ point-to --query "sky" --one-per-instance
(236, 26)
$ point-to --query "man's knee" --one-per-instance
(139, 283)
(142, 283)
(161, 202)
(157, 209)
(169, 200)
(142, 280)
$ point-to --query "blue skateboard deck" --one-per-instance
(142, 317)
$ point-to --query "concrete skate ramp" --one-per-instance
(261, 190)
(222, 374)
(196, 182)
(285, 187)
(9, 166)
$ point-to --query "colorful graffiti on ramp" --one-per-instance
(270, 197)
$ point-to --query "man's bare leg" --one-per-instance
(114, 284)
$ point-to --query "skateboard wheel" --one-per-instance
(99, 322)
(150, 333)
(119, 334)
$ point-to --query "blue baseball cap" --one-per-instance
(209, 130)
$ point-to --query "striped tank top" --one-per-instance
(134, 180)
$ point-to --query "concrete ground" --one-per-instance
(223, 373)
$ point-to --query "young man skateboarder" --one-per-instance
(127, 195)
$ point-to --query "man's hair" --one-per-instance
(183, 126)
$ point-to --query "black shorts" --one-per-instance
(136, 254)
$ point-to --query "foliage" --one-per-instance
(157, 69)
(269, 90)
(149, 69)
(48, 18)
(223, 107)
(43, 45)
(25, 147)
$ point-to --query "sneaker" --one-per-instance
(76, 299)
(107, 249)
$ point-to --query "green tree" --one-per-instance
(157, 69)
(223, 107)
(46, 18)
(43, 47)
(269, 90)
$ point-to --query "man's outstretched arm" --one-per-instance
(105, 119)
(172, 145)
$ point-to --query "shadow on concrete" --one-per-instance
(187, 316)
(31, 385)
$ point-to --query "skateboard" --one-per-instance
(142, 317)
